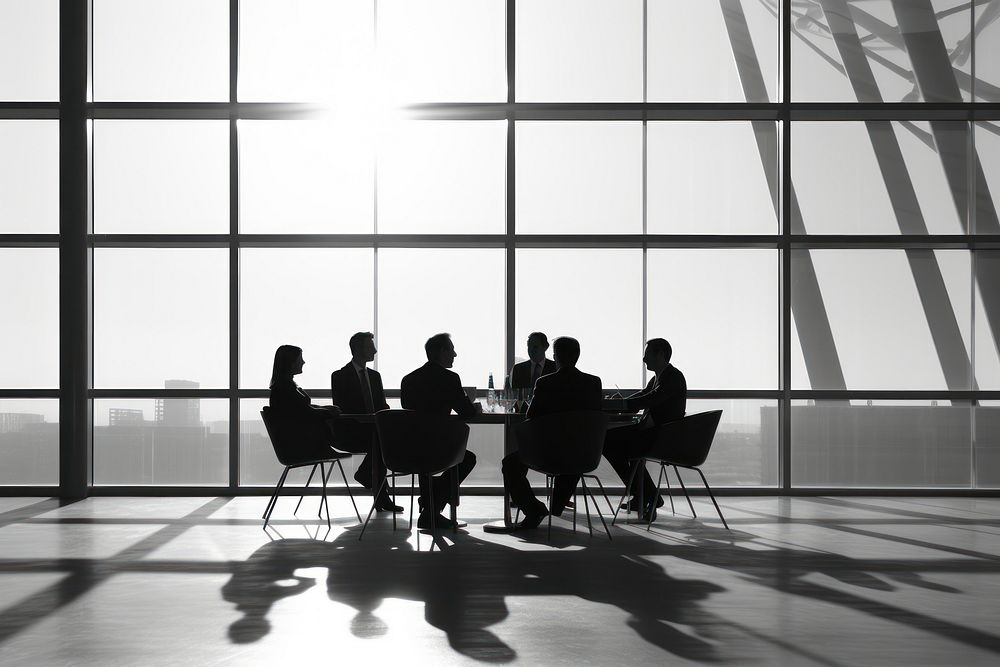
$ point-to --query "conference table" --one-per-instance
(508, 418)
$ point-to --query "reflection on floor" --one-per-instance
(829, 581)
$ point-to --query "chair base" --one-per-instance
(324, 502)
(663, 463)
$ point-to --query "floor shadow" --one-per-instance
(464, 588)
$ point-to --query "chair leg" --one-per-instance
(604, 493)
(586, 506)
(712, 496)
(326, 501)
(690, 504)
(322, 476)
(670, 491)
(371, 511)
(628, 489)
(410, 527)
(311, 473)
(432, 508)
(454, 499)
(348, 487)
(548, 502)
(596, 506)
(656, 499)
(274, 498)
(392, 492)
(576, 499)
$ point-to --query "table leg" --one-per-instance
(376, 454)
(508, 447)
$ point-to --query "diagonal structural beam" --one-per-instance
(941, 320)
(935, 77)
(808, 310)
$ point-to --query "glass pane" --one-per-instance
(306, 177)
(918, 184)
(900, 319)
(988, 319)
(888, 32)
(579, 177)
(162, 441)
(29, 51)
(881, 443)
(987, 138)
(711, 178)
(29, 442)
(306, 50)
(442, 50)
(699, 52)
(443, 177)
(745, 449)
(422, 292)
(315, 298)
(987, 46)
(719, 310)
(29, 177)
(593, 295)
(578, 51)
(29, 335)
(161, 176)
(987, 450)
(161, 51)
(161, 314)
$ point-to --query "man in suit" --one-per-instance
(565, 390)
(434, 388)
(525, 374)
(663, 400)
(357, 389)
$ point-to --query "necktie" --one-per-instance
(536, 372)
(366, 390)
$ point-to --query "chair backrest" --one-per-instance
(420, 442)
(563, 443)
(687, 440)
(292, 439)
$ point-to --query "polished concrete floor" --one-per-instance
(826, 581)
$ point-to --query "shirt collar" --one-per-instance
(358, 369)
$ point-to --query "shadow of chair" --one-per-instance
(684, 443)
(565, 443)
(420, 443)
(298, 444)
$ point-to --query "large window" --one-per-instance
(800, 196)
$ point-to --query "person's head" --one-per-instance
(288, 361)
(440, 350)
(538, 344)
(363, 346)
(566, 352)
(657, 354)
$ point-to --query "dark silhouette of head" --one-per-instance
(657, 354)
(288, 361)
(537, 345)
(566, 351)
(363, 346)
(440, 349)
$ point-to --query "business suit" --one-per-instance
(433, 388)
(289, 401)
(663, 400)
(521, 374)
(565, 390)
(349, 435)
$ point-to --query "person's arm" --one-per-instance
(662, 393)
(538, 398)
(460, 402)
(380, 402)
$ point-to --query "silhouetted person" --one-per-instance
(289, 401)
(525, 374)
(434, 388)
(357, 389)
(663, 400)
(565, 390)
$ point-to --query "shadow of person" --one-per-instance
(465, 588)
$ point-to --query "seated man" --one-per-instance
(565, 390)
(357, 389)
(434, 388)
(663, 400)
(525, 374)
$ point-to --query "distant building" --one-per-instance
(178, 411)
(125, 417)
(12, 422)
